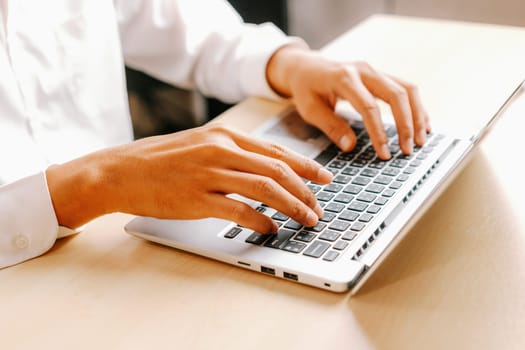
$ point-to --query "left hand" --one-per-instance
(316, 83)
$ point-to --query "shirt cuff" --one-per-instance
(28, 224)
(259, 46)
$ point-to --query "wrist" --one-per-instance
(78, 191)
(282, 66)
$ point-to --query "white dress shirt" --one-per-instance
(62, 86)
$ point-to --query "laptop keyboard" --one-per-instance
(362, 186)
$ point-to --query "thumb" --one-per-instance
(336, 128)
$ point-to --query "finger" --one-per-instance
(420, 117)
(303, 166)
(319, 113)
(397, 97)
(279, 171)
(352, 89)
(241, 213)
(268, 191)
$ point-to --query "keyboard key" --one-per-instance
(390, 171)
(366, 197)
(257, 238)
(280, 216)
(358, 206)
(398, 163)
(327, 217)
(329, 235)
(233, 232)
(333, 188)
(352, 189)
(331, 255)
(402, 177)
(381, 201)
(340, 245)
(365, 217)
(317, 228)
(279, 239)
(348, 236)
(350, 171)
(305, 236)
(375, 188)
(383, 180)
(325, 196)
(316, 249)
(409, 170)
(369, 172)
(342, 179)
(339, 225)
(344, 198)
(361, 181)
(388, 193)
(314, 188)
(338, 164)
(294, 247)
(293, 225)
(396, 185)
(327, 155)
(373, 209)
(357, 226)
(348, 215)
(335, 207)
(377, 164)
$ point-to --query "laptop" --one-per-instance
(369, 206)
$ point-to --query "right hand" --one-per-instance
(189, 175)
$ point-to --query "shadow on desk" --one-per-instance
(445, 274)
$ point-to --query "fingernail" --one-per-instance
(344, 142)
(275, 227)
(324, 175)
(385, 150)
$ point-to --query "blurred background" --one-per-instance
(158, 108)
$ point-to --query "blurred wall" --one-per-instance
(318, 21)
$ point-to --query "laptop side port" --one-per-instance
(290, 276)
(268, 270)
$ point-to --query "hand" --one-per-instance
(188, 175)
(315, 83)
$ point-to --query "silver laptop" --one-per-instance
(370, 205)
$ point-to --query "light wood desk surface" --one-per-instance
(457, 281)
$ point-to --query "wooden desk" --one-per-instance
(456, 282)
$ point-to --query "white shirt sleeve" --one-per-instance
(28, 224)
(201, 44)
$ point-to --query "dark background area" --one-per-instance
(159, 108)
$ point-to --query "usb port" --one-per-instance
(290, 276)
(268, 270)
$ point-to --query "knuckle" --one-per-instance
(308, 197)
(277, 150)
(280, 170)
(370, 108)
(265, 187)
(398, 95)
(220, 128)
(238, 212)
(297, 211)
(363, 66)
(216, 149)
